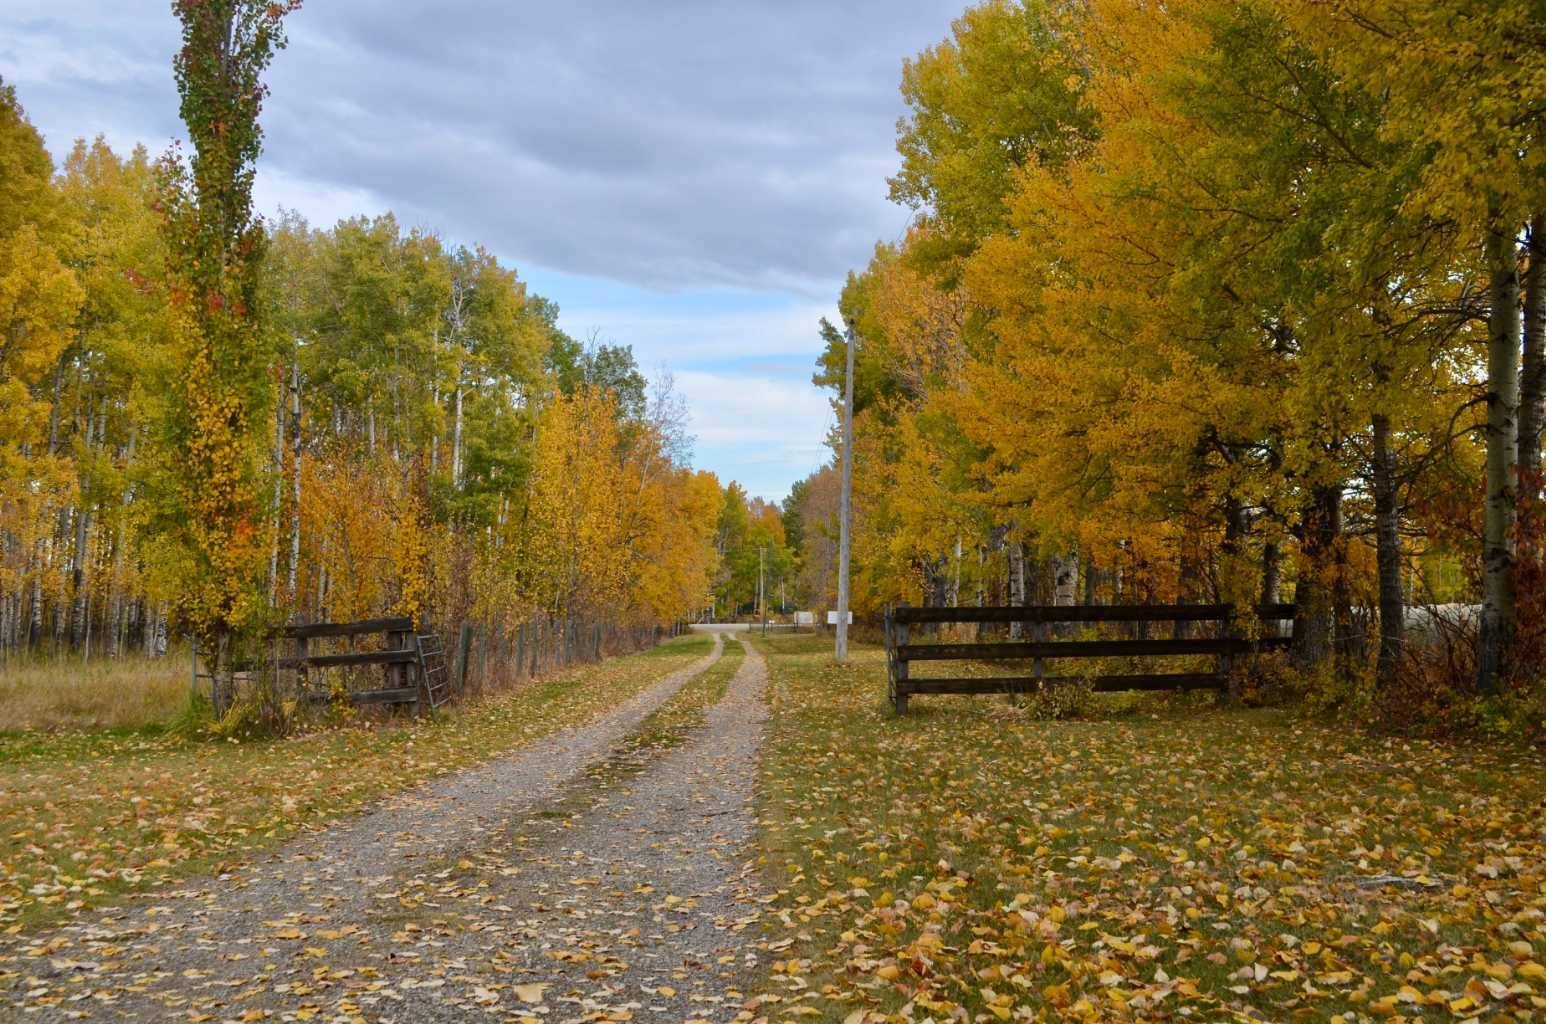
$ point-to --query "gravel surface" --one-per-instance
(521, 889)
(640, 907)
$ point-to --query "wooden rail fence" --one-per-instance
(1223, 646)
(414, 663)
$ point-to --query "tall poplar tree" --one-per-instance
(215, 252)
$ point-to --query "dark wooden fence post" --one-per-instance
(463, 652)
(1038, 665)
(520, 651)
(897, 641)
(396, 675)
(1226, 657)
(887, 627)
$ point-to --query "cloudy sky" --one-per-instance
(690, 177)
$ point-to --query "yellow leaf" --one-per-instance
(531, 992)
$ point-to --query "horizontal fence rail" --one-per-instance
(394, 660)
(906, 614)
(1020, 651)
(902, 652)
(320, 630)
(407, 665)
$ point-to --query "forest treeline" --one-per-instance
(409, 429)
(1219, 301)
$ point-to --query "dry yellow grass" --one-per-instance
(68, 693)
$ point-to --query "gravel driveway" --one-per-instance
(477, 896)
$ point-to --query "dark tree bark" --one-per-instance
(1188, 573)
(1234, 538)
(291, 593)
(1320, 585)
(1387, 535)
(1532, 372)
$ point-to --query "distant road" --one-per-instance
(741, 627)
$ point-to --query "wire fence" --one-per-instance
(493, 657)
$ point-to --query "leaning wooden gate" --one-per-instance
(413, 662)
(1219, 619)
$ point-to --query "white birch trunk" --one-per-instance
(456, 438)
(1016, 582)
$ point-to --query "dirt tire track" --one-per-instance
(643, 908)
(208, 949)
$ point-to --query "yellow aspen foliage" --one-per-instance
(39, 296)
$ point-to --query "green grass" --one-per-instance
(688, 643)
(1181, 861)
(85, 817)
(668, 725)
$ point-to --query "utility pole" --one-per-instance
(762, 589)
(845, 503)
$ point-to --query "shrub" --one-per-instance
(1062, 702)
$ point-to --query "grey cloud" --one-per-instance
(671, 144)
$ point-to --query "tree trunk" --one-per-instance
(1119, 574)
(1271, 581)
(1235, 529)
(35, 616)
(278, 461)
(982, 595)
(1532, 373)
(1387, 536)
(1320, 525)
(1065, 585)
(1496, 634)
(78, 577)
(955, 580)
(80, 569)
(434, 401)
(1016, 582)
(1186, 586)
(456, 441)
(1229, 557)
(153, 627)
(116, 616)
(1065, 579)
(291, 593)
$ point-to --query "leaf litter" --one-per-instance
(408, 913)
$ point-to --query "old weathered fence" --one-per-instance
(413, 666)
(413, 663)
(494, 655)
(1221, 620)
